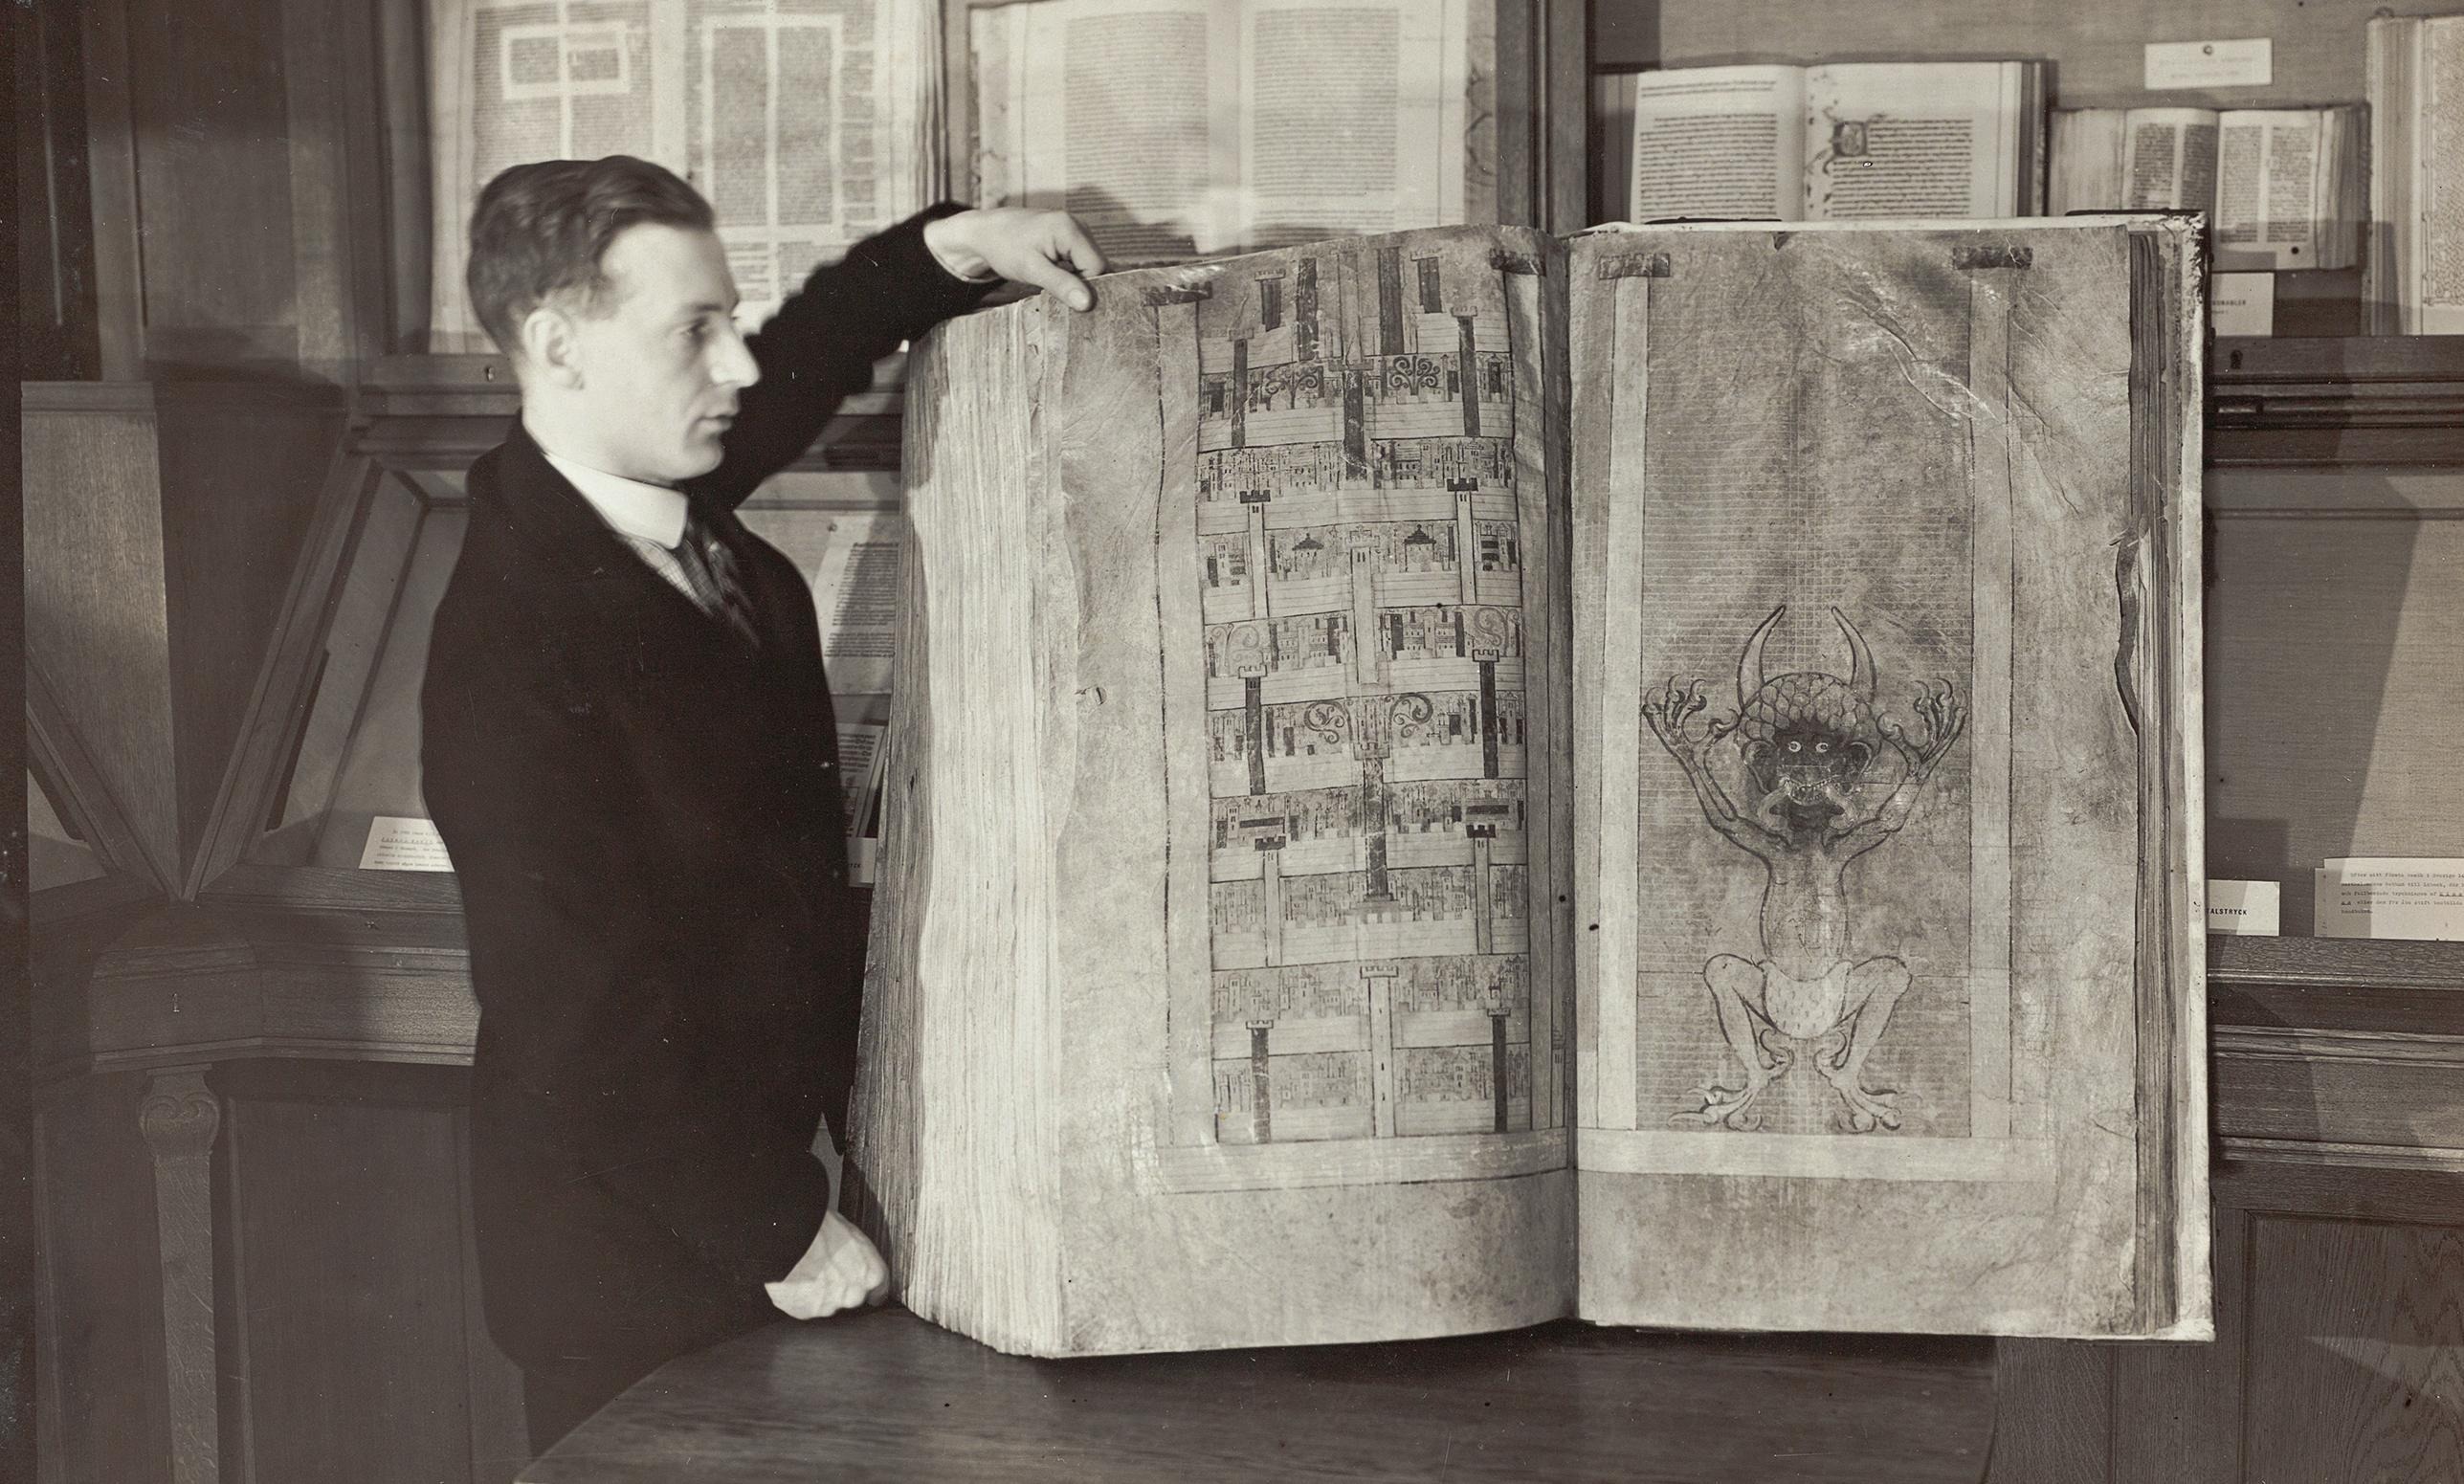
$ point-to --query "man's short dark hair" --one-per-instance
(541, 229)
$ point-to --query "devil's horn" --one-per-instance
(1750, 665)
(1860, 661)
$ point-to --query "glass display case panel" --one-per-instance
(356, 757)
(2335, 614)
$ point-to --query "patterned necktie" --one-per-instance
(717, 583)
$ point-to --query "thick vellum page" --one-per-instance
(1300, 875)
(1889, 1005)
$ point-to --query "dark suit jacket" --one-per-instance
(645, 819)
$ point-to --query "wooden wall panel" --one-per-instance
(346, 1240)
(54, 229)
(401, 44)
(111, 143)
(2098, 47)
(2351, 1098)
(2357, 1335)
(2053, 1412)
(2179, 1406)
(499, 1426)
(213, 173)
(104, 1338)
(240, 202)
(341, 222)
(2335, 615)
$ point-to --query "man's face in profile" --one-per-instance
(661, 361)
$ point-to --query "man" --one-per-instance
(628, 749)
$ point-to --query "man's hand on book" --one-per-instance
(841, 1270)
(1046, 249)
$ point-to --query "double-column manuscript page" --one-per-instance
(805, 122)
(1174, 128)
(1877, 548)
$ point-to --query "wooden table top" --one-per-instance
(884, 1395)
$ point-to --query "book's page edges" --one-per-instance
(953, 1159)
(2017, 1245)
(884, 1158)
(2179, 1304)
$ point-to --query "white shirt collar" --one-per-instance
(646, 512)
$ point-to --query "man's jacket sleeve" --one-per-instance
(597, 1023)
(819, 349)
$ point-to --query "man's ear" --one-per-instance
(551, 345)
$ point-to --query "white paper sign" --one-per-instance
(2241, 304)
(2244, 909)
(2389, 897)
(2247, 63)
(403, 845)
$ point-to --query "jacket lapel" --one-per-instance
(568, 545)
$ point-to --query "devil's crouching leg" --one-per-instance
(1873, 990)
(1736, 986)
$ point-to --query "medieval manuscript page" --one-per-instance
(1178, 128)
(1357, 1122)
(1921, 139)
(1719, 142)
(808, 125)
(1353, 117)
(1885, 556)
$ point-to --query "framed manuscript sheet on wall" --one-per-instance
(1183, 128)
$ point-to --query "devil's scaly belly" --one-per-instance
(1804, 1008)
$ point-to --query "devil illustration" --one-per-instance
(1806, 738)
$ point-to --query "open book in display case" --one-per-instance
(1652, 776)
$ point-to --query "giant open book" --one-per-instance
(1448, 779)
